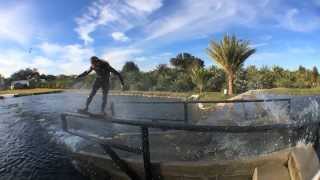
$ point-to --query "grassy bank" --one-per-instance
(294, 91)
(26, 92)
(212, 96)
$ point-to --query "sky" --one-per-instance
(59, 37)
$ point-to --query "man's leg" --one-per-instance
(93, 92)
(105, 90)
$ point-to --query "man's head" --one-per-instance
(94, 59)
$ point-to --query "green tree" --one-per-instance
(314, 77)
(217, 79)
(252, 75)
(130, 66)
(200, 77)
(2, 82)
(24, 74)
(186, 61)
(230, 53)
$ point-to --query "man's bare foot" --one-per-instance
(85, 110)
(103, 113)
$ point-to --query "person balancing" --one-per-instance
(103, 70)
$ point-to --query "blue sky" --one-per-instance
(58, 37)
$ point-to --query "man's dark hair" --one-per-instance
(94, 59)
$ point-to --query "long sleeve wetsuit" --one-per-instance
(103, 70)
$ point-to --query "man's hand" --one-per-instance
(122, 86)
(78, 77)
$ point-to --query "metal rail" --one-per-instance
(206, 102)
(186, 103)
(145, 125)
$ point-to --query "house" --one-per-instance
(19, 84)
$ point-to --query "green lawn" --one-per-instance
(294, 91)
(212, 96)
(29, 91)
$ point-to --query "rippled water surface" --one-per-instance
(33, 147)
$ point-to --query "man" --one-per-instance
(103, 70)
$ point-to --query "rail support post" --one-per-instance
(146, 153)
(112, 109)
(289, 107)
(64, 122)
(317, 140)
(185, 109)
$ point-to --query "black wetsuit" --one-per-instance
(103, 70)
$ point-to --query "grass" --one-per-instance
(210, 96)
(294, 91)
(29, 91)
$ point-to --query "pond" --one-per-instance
(33, 146)
(32, 142)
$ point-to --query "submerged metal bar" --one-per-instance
(120, 163)
(213, 102)
(146, 153)
(112, 144)
(153, 119)
(196, 128)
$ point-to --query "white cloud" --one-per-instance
(50, 48)
(117, 57)
(114, 14)
(193, 18)
(147, 63)
(145, 5)
(69, 59)
(119, 36)
(13, 60)
(299, 21)
(202, 17)
(15, 24)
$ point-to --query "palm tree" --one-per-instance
(230, 53)
(200, 77)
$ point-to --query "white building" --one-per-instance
(19, 84)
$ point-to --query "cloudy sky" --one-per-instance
(58, 37)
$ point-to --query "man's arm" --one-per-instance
(85, 73)
(111, 69)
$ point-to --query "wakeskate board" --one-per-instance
(94, 115)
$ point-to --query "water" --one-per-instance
(33, 146)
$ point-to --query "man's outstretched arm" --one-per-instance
(116, 73)
(85, 73)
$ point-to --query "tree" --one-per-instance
(200, 77)
(2, 82)
(314, 76)
(230, 53)
(217, 79)
(130, 66)
(186, 61)
(25, 74)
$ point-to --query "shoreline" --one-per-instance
(28, 92)
(164, 94)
